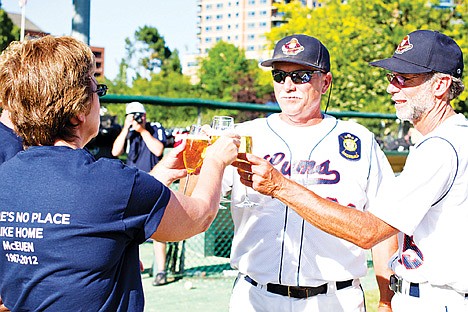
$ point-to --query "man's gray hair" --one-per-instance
(456, 88)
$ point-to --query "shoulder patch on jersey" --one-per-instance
(350, 146)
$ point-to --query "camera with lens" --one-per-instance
(138, 117)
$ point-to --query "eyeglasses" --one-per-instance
(401, 80)
(297, 76)
(101, 89)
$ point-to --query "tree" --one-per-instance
(146, 54)
(172, 64)
(227, 75)
(172, 85)
(361, 31)
(8, 31)
(221, 70)
(156, 72)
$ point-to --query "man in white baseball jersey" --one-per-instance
(428, 201)
(286, 264)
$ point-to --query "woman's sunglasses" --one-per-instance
(101, 89)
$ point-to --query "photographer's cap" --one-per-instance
(425, 51)
(135, 107)
(300, 49)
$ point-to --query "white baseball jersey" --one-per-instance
(339, 160)
(429, 203)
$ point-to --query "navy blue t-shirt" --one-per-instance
(70, 227)
(139, 154)
(10, 143)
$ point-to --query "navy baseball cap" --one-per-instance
(300, 49)
(425, 51)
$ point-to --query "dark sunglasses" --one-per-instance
(297, 76)
(401, 80)
(101, 89)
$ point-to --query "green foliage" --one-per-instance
(171, 85)
(227, 75)
(158, 72)
(173, 64)
(221, 70)
(8, 31)
(146, 54)
(154, 44)
(361, 31)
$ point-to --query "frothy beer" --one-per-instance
(246, 144)
(194, 152)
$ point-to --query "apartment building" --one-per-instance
(240, 22)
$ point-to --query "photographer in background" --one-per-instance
(144, 144)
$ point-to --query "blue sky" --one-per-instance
(114, 20)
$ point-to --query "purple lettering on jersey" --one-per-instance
(313, 173)
(286, 167)
(305, 167)
(275, 159)
(324, 168)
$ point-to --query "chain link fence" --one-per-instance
(205, 254)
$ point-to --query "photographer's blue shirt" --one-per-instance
(139, 154)
(70, 227)
(10, 143)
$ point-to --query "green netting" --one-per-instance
(205, 254)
